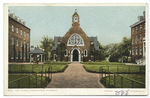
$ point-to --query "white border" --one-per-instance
(66, 91)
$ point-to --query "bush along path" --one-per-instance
(75, 77)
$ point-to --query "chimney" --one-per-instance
(140, 18)
(20, 20)
(144, 14)
(23, 22)
(11, 15)
(16, 18)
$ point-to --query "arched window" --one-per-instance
(85, 52)
(66, 52)
(75, 39)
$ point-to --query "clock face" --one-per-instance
(75, 19)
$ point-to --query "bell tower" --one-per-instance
(75, 19)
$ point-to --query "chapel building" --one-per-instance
(75, 45)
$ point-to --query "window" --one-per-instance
(27, 34)
(16, 30)
(54, 57)
(24, 44)
(17, 55)
(17, 42)
(136, 29)
(27, 45)
(133, 31)
(136, 39)
(20, 55)
(24, 33)
(66, 52)
(21, 43)
(140, 28)
(136, 51)
(140, 50)
(132, 51)
(12, 28)
(140, 38)
(24, 55)
(75, 39)
(12, 54)
(12, 41)
(21, 32)
(132, 40)
(85, 52)
(27, 55)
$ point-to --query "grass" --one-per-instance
(32, 68)
(24, 83)
(127, 83)
(114, 67)
(103, 63)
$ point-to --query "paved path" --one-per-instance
(75, 76)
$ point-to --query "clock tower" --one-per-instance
(75, 19)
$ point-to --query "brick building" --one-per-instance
(75, 45)
(19, 40)
(138, 39)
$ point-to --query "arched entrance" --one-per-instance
(75, 55)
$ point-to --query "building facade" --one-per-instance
(75, 45)
(138, 39)
(19, 40)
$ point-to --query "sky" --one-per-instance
(109, 23)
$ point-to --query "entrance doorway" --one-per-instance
(75, 55)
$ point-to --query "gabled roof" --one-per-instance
(37, 51)
(55, 42)
(95, 42)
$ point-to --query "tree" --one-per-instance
(46, 45)
(60, 50)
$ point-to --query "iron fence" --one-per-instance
(114, 80)
(27, 80)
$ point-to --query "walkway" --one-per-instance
(75, 76)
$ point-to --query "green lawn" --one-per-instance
(24, 83)
(56, 67)
(126, 82)
(103, 63)
(114, 67)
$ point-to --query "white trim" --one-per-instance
(79, 56)
(75, 35)
(54, 57)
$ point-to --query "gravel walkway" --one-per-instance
(75, 76)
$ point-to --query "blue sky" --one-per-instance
(109, 23)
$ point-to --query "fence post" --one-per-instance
(105, 77)
(18, 83)
(114, 80)
(36, 80)
(21, 69)
(45, 77)
(132, 84)
(129, 69)
(117, 69)
(51, 73)
(32, 69)
(109, 78)
(121, 82)
(29, 81)
(41, 78)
